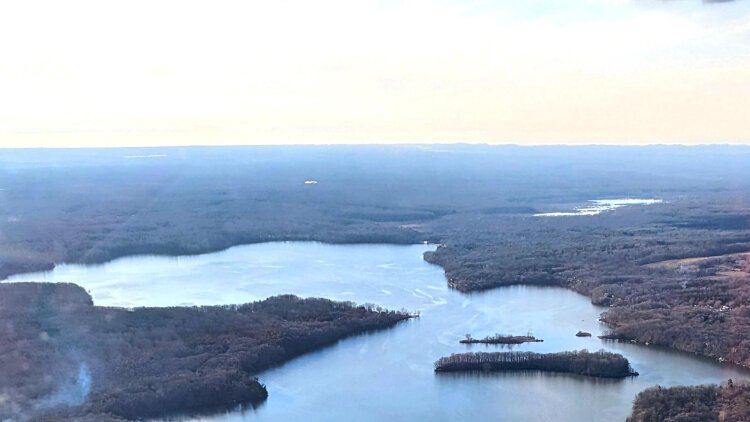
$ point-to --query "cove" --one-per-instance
(389, 374)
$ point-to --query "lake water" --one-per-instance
(598, 206)
(388, 375)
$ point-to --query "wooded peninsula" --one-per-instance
(62, 358)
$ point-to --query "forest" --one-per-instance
(477, 203)
(63, 358)
(594, 364)
(729, 402)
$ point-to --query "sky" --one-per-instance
(151, 73)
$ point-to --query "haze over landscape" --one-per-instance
(439, 210)
(92, 73)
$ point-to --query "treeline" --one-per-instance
(478, 206)
(727, 403)
(597, 364)
(698, 306)
(63, 358)
(500, 339)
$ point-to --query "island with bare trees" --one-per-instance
(595, 364)
(501, 339)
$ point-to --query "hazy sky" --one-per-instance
(106, 73)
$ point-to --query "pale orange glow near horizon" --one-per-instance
(158, 73)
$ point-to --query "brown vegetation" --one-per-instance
(63, 358)
(89, 206)
(597, 364)
(501, 339)
(706, 312)
(701, 308)
(705, 403)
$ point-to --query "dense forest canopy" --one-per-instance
(61, 358)
(477, 202)
(706, 403)
(674, 274)
(597, 364)
(501, 339)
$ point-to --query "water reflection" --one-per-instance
(389, 374)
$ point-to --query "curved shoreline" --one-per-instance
(50, 266)
(428, 256)
(156, 362)
(568, 287)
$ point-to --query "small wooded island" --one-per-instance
(62, 358)
(501, 339)
(583, 334)
(595, 364)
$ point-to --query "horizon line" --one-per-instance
(404, 144)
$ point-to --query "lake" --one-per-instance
(388, 375)
(598, 206)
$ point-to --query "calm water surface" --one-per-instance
(388, 374)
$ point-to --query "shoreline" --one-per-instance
(122, 354)
(500, 339)
(597, 364)
(452, 284)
